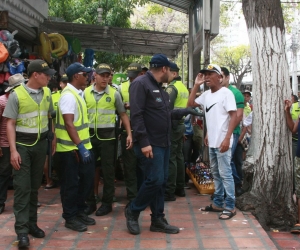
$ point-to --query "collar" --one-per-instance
(78, 91)
(32, 91)
(106, 90)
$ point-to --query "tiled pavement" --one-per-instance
(199, 230)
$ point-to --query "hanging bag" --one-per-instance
(3, 53)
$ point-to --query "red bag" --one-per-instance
(3, 53)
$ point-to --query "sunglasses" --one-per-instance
(83, 73)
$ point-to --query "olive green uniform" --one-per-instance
(32, 148)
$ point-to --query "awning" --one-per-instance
(179, 5)
(119, 40)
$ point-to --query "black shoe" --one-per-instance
(132, 220)
(238, 191)
(2, 206)
(23, 240)
(170, 197)
(90, 209)
(75, 225)
(104, 210)
(161, 225)
(83, 218)
(38, 204)
(36, 232)
(180, 192)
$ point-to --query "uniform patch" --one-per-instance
(48, 98)
(108, 99)
(158, 99)
(169, 90)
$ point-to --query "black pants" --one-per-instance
(5, 173)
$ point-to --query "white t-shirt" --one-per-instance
(67, 103)
(216, 106)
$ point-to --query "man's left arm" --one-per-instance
(232, 124)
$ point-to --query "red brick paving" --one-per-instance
(199, 230)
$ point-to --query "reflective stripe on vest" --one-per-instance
(32, 117)
(102, 114)
(182, 95)
(63, 140)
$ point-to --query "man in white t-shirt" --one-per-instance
(220, 112)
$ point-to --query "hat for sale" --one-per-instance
(174, 67)
(159, 60)
(14, 81)
(247, 92)
(103, 68)
(134, 69)
(40, 66)
(75, 68)
(212, 68)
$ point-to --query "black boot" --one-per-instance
(180, 192)
(36, 232)
(161, 225)
(90, 209)
(23, 240)
(132, 220)
(104, 210)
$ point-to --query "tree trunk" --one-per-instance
(270, 197)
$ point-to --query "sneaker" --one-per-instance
(76, 225)
(161, 225)
(83, 218)
(104, 210)
(132, 220)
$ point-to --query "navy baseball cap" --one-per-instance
(174, 67)
(75, 68)
(159, 60)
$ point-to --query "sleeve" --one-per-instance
(67, 104)
(229, 102)
(12, 107)
(200, 99)
(119, 103)
(172, 95)
(239, 98)
(248, 120)
(137, 97)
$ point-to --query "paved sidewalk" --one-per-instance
(199, 230)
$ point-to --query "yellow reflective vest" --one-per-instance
(63, 140)
(124, 87)
(32, 120)
(102, 114)
(295, 111)
(55, 98)
(182, 95)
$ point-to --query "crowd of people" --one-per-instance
(158, 130)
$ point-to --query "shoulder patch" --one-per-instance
(169, 90)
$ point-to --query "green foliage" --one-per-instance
(237, 59)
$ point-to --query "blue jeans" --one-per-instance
(221, 171)
(152, 190)
(76, 183)
(236, 178)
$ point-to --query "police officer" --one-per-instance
(27, 128)
(74, 149)
(128, 156)
(179, 95)
(102, 102)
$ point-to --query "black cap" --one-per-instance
(103, 68)
(64, 77)
(75, 68)
(159, 60)
(40, 66)
(174, 67)
(134, 69)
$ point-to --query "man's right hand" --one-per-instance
(199, 79)
(85, 155)
(288, 105)
(147, 151)
(15, 160)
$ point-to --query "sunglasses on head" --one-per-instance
(82, 73)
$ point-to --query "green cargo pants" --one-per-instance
(27, 181)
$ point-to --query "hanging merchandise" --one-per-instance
(88, 58)
(15, 66)
(10, 43)
(45, 48)
(3, 53)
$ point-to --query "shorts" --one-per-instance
(297, 176)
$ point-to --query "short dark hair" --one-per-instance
(225, 71)
(295, 98)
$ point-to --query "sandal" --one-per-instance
(211, 209)
(54, 185)
(229, 214)
(296, 229)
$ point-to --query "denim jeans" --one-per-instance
(236, 178)
(153, 187)
(221, 171)
(76, 183)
